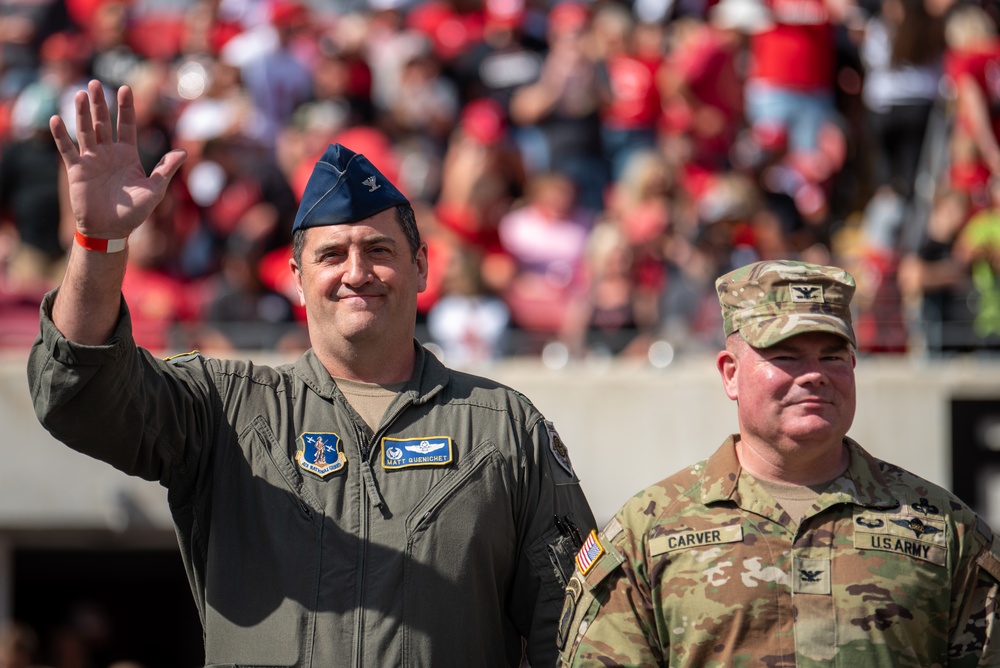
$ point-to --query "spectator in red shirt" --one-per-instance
(791, 80)
(630, 101)
(972, 63)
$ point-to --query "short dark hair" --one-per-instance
(404, 215)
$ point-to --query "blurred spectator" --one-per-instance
(160, 300)
(609, 316)
(640, 203)
(935, 285)
(978, 248)
(879, 321)
(274, 76)
(503, 59)
(795, 127)
(468, 322)
(30, 177)
(545, 239)
(341, 75)
(425, 103)
(18, 645)
(563, 106)
(630, 56)
(482, 176)
(791, 80)
(972, 63)
(64, 71)
(240, 313)
(721, 235)
(420, 116)
(154, 118)
(24, 26)
(901, 52)
(702, 86)
(112, 58)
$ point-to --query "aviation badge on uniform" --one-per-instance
(398, 453)
(558, 448)
(320, 453)
(916, 526)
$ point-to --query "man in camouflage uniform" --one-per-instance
(791, 545)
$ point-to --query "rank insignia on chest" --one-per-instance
(589, 553)
(320, 453)
(398, 453)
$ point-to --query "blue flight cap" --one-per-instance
(344, 187)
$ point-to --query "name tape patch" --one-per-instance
(695, 538)
(935, 554)
(424, 451)
(320, 453)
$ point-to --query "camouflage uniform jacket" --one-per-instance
(311, 540)
(704, 569)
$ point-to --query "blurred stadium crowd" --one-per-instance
(581, 171)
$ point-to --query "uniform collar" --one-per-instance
(429, 377)
(862, 483)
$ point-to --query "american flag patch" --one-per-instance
(589, 553)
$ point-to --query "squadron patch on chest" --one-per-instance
(400, 453)
(320, 453)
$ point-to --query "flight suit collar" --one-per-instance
(429, 377)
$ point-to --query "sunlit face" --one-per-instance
(358, 283)
(798, 393)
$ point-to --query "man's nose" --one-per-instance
(357, 269)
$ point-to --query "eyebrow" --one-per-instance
(367, 241)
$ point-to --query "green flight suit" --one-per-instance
(311, 541)
(705, 569)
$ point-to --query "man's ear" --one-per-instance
(422, 266)
(297, 278)
(728, 365)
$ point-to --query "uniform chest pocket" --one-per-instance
(472, 490)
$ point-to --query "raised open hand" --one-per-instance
(108, 189)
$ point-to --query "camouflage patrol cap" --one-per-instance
(344, 187)
(769, 301)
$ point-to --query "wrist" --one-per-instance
(100, 245)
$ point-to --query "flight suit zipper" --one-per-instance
(364, 511)
(374, 500)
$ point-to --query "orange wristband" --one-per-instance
(100, 245)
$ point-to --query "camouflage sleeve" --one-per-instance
(975, 629)
(608, 614)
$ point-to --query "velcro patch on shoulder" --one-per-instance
(597, 562)
(989, 560)
(589, 553)
(574, 589)
(689, 538)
